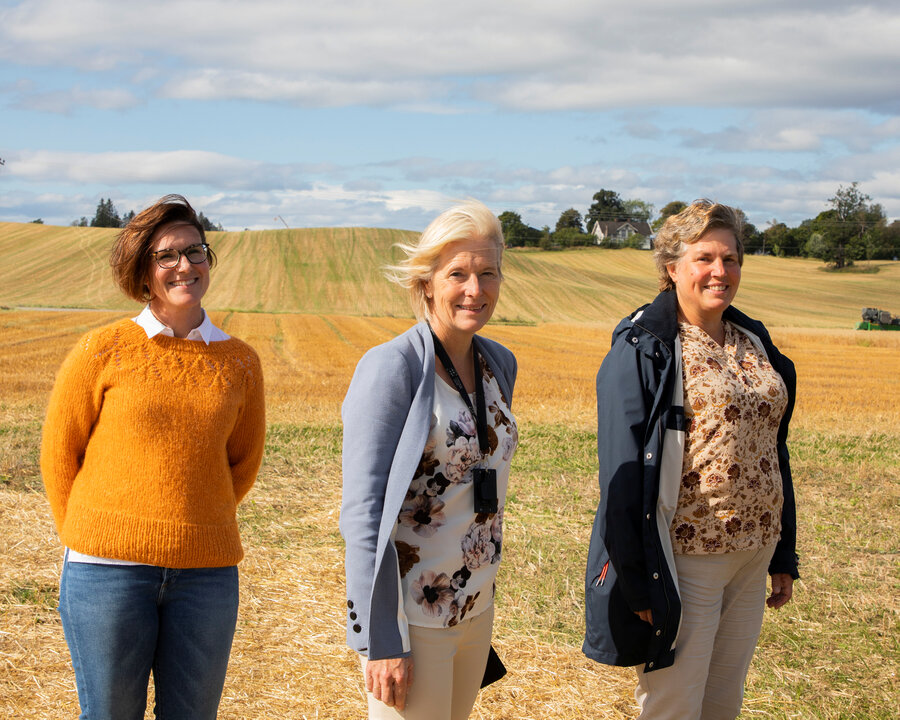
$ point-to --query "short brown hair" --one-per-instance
(689, 226)
(130, 256)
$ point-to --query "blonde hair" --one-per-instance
(689, 226)
(470, 220)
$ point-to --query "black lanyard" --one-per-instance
(479, 412)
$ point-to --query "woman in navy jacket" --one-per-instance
(423, 531)
(634, 600)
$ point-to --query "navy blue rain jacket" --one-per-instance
(640, 446)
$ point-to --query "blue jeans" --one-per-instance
(122, 622)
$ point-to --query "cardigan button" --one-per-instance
(357, 629)
(658, 633)
(650, 664)
(656, 576)
(350, 604)
(648, 516)
(649, 455)
(353, 616)
(634, 340)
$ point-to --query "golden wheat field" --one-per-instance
(818, 658)
(832, 653)
(338, 270)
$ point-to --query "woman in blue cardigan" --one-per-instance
(428, 439)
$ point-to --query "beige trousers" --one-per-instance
(448, 666)
(723, 599)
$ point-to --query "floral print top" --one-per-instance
(448, 555)
(730, 496)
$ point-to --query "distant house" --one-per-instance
(615, 231)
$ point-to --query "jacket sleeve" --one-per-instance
(247, 440)
(785, 558)
(73, 411)
(622, 417)
(374, 412)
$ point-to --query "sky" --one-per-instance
(267, 113)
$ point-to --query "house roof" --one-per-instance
(611, 227)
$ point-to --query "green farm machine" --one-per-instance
(875, 319)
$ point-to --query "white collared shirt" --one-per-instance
(204, 332)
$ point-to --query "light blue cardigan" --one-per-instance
(387, 417)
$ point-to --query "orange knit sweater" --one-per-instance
(150, 444)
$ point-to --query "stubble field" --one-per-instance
(311, 302)
(832, 653)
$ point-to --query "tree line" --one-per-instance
(107, 216)
(852, 228)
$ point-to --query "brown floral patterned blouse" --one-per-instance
(730, 497)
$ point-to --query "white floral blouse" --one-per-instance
(448, 555)
(730, 496)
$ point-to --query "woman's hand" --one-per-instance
(782, 590)
(389, 680)
(645, 615)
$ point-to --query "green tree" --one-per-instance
(572, 237)
(517, 233)
(83, 222)
(634, 241)
(546, 241)
(608, 206)
(637, 209)
(883, 241)
(833, 240)
(570, 218)
(106, 215)
(39, 221)
(776, 238)
(816, 246)
(209, 225)
(672, 208)
(845, 227)
(752, 237)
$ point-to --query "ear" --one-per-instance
(672, 269)
(426, 288)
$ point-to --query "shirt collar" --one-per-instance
(153, 327)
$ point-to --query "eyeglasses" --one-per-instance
(170, 257)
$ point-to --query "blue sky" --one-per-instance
(366, 113)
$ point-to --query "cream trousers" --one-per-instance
(448, 666)
(723, 598)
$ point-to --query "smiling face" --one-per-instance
(464, 288)
(706, 277)
(177, 290)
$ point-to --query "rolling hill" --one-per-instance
(337, 271)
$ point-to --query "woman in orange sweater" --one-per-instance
(154, 434)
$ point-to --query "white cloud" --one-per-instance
(65, 101)
(311, 90)
(169, 168)
(407, 192)
(520, 55)
(795, 131)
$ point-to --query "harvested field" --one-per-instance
(832, 653)
(338, 270)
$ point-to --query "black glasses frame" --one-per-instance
(168, 266)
